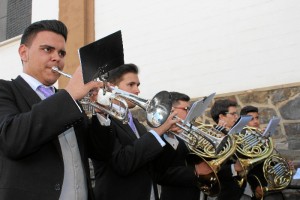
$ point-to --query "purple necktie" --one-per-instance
(131, 124)
(46, 91)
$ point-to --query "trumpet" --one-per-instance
(157, 109)
(90, 106)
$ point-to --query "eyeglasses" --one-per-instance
(183, 108)
(233, 113)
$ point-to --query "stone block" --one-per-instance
(292, 130)
(291, 110)
(260, 97)
(283, 94)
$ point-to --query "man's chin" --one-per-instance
(51, 81)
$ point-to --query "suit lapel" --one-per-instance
(26, 91)
(31, 98)
(140, 128)
(126, 129)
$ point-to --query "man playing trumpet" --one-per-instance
(124, 170)
(38, 123)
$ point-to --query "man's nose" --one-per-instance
(55, 56)
(137, 90)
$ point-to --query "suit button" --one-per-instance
(57, 187)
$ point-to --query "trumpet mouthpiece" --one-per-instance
(56, 69)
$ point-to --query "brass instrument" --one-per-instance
(157, 109)
(119, 112)
(252, 148)
(195, 137)
(205, 152)
(277, 173)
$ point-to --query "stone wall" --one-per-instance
(277, 102)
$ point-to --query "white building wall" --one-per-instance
(219, 46)
(11, 65)
(199, 46)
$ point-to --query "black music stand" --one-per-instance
(101, 56)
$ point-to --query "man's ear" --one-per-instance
(23, 52)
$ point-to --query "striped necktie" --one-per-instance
(131, 124)
(46, 91)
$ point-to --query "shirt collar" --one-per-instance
(33, 83)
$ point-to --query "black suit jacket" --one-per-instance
(31, 163)
(230, 188)
(177, 180)
(123, 171)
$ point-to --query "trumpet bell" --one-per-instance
(159, 109)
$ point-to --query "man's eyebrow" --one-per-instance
(46, 45)
(51, 47)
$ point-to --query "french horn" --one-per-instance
(205, 152)
(251, 149)
(276, 173)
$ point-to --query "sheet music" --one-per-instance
(198, 108)
(240, 124)
(270, 130)
(297, 174)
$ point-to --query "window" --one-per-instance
(15, 16)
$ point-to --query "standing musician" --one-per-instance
(177, 180)
(258, 169)
(224, 113)
(123, 171)
(43, 130)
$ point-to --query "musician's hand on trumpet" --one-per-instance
(174, 128)
(76, 87)
(170, 122)
(93, 96)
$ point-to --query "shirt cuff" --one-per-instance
(161, 142)
(104, 121)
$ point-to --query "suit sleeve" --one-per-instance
(101, 140)
(169, 168)
(126, 159)
(225, 173)
(24, 129)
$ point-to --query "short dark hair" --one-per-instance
(43, 25)
(177, 96)
(115, 76)
(221, 107)
(245, 110)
